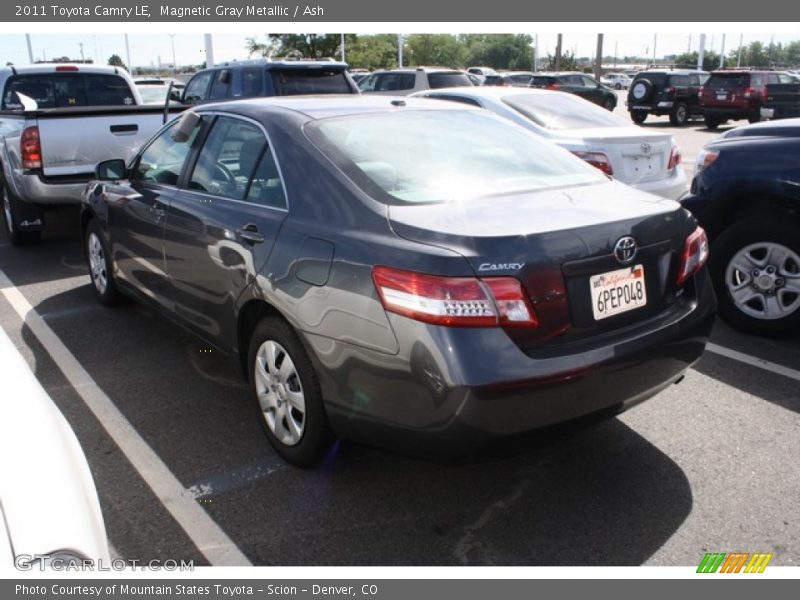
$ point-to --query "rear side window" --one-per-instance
(265, 185)
(222, 81)
(443, 80)
(68, 89)
(679, 80)
(539, 80)
(657, 79)
(293, 82)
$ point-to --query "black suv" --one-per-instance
(580, 84)
(673, 92)
(265, 77)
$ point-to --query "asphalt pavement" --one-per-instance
(184, 472)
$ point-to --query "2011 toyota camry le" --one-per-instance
(405, 273)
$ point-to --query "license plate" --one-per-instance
(617, 291)
(640, 107)
(722, 96)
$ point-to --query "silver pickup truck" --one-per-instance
(57, 121)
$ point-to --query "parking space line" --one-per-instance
(209, 538)
(219, 484)
(754, 361)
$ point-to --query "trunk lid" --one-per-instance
(555, 242)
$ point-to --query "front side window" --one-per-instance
(219, 89)
(228, 159)
(197, 87)
(162, 161)
(393, 157)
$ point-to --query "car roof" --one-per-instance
(269, 63)
(488, 92)
(673, 71)
(415, 69)
(329, 105)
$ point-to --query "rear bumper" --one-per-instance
(730, 113)
(672, 187)
(34, 188)
(449, 391)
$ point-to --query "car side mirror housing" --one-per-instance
(175, 95)
(111, 170)
(186, 124)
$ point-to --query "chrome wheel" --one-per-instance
(280, 393)
(97, 263)
(763, 280)
(7, 211)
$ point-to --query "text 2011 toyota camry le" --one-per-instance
(405, 273)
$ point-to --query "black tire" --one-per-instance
(641, 91)
(98, 261)
(14, 212)
(316, 436)
(609, 103)
(754, 117)
(712, 122)
(752, 236)
(638, 116)
(680, 114)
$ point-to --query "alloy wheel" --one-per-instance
(280, 393)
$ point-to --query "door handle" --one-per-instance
(129, 129)
(251, 233)
(157, 212)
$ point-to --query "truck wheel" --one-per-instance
(638, 116)
(755, 268)
(609, 103)
(13, 211)
(679, 114)
(98, 258)
(286, 393)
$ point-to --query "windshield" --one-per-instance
(395, 158)
(564, 112)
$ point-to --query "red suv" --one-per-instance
(736, 94)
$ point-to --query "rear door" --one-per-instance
(221, 226)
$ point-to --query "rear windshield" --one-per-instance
(564, 112)
(57, 90)
(293, 82)
(728, 80)
(443, 80)
(541, 80)
(392, 156)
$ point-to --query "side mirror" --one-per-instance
(181, 132)
(175, 95)
(111, 170)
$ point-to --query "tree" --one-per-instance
(115, 61)
(311, 46)
(372, 51)
(499, 51)
(442, 50)
(568, 62)
(689, 59)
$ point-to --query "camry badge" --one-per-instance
(625, 249)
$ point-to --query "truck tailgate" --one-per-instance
(73, 143)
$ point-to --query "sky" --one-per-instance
(149, 49)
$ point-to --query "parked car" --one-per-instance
(154, 91)
(673, 92)
(509, 79)
(449, 290)
(267, 77)
(400, 82)
(49, 512)
(647, 160)
(481, 71)
(782, 101)
(737, 94)
(57, 121)
(746, 194)
(579, 84)
(618, 81)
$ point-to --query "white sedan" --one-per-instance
(49, 511)
(618, 81)
(642, 158)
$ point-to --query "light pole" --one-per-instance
(342, 46)
(30, 47)
(400, 41)
(174, 62)
(209, 50)
(128, 53)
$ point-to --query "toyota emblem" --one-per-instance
(646, 148)
(625, 249)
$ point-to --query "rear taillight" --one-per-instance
(669, 90)
(65, 68)
(552, 86)
(596, 159)
(31, 148)
(695, 254)
(454, 301)
(674, 157)
(748, 92)
(702, 90)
